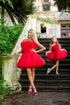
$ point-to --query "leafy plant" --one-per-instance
(44, 20)
(18, 9)
(8, 38)
(4, 90)
(38, 34)
(8, 1)
(62, 5)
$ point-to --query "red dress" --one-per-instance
(29, 59)
(56, 53)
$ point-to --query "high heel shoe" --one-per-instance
(29, 92)
(35, 93)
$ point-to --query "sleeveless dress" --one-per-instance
(56, 53)
(29, 59)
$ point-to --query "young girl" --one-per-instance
(55, 53)
(30, 60)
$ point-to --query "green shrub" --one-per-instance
(8, 38)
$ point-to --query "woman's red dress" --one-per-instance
(29, 59)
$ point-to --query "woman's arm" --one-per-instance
(41, 46)
(20, 50)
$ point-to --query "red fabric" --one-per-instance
(56, 53)
(29, 59)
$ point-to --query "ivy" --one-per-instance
(46, 20)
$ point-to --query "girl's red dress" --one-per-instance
(29, 59)
(56, 53)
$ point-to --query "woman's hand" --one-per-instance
(18, 52)
(15, 53)
(41, 46)
(33, 50)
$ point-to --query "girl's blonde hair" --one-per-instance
(34, 37)
(51, 42)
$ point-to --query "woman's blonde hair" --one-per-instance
(51, 42)
(34, 37)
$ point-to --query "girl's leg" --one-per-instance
(30, 78)
(53, 67)
(57, 67)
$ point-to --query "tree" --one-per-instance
(62, 4)
(18, 8)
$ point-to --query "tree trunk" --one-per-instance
(2, 16)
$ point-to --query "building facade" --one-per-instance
(46, 9)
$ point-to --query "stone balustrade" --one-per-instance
(10, 72)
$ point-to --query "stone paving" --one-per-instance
(43, 98)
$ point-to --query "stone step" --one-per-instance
(46, 82)
(59, 39)
(51, 82)
(61, 61)
(60, 65)
(44, 71)
(63, 45)
(49, 88)
(47, 77)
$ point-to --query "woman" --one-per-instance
(30, 60)
(55, 53)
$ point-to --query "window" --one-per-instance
(63, 34)
(51, 31)
(46, 7)
(43, 29)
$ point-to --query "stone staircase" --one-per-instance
(51, 82)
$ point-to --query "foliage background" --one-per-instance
(8, 38)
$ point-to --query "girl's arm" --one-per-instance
(41, 46)
(59, 46)
(50, 50)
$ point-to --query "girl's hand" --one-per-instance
(46, 53)
(33, 50)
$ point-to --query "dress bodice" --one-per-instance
(55, 47)
(27, 45)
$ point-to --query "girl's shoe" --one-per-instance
(57, 73)
(48, 71)
(35, 93)
(29, 92)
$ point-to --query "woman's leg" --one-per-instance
(30, 77)
(33, 76)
